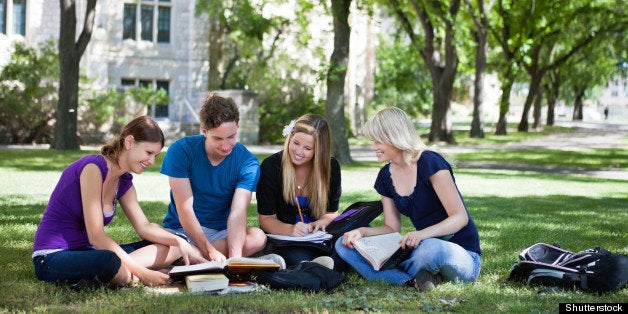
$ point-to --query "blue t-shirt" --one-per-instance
(212, 186)
(423, 206)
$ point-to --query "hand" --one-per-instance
(153, 277)
(190, 254)
(318, 225)
(210, 253)
(410, 240)
(350, 237)
(300, 229)
(215, 255)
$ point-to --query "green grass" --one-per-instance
(585, 158)
(512, 209)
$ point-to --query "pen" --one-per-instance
(299, 206)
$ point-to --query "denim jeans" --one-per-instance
(448, 259)
(70, 266)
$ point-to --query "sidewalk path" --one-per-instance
(583, 135)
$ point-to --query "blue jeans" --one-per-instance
(71, 266)
(437, 256)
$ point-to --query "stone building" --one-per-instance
(163, 43)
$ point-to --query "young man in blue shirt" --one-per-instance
(212, 178)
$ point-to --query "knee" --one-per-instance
(339, 247)
(113, 273)
(256, 237)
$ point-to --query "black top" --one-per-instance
(270, 191)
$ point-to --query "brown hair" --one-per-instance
(216, 110)
(143, 129)
(318, 185)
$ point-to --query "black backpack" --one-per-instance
(591, 270)
(358, 214)
(306, 276)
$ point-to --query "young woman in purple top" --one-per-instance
(419, 184)
(71, 245)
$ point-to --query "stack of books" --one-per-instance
(214, 275)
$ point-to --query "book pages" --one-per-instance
(316, 237)
(378, 249)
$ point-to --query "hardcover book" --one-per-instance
(233, 266)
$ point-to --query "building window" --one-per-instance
(149, 20)
(154, 110)
(163, 25)
(13, 17)
(128, 22)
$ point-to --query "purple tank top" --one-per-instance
(62, 225)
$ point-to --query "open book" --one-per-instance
(378, 249)
(384, 251)
(233, 266)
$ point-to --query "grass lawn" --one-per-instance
(512, 209)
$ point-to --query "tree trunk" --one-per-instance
(441, 59)
(335, 102)
(538, 103)
(552, 96)
(504, 104)
(535, 82)
(578, 105)
(441, 127)
(477, 124)
(70, 53)
(481, 38)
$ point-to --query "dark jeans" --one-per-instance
(88, 264)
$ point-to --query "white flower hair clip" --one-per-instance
(288, 128)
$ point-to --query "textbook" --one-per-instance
(206, 282)
(384, 251)
(315, 237)
(234, 266)
(378, 249)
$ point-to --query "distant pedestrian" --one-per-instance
(606, 113)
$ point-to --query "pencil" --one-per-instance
(296, 198)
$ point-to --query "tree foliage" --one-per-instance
(401, 78)
(27, 93)
(241, 40)
(436, 44)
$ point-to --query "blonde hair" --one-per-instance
(318, 185)
(392, 126)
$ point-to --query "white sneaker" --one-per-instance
(275, 258)
(325, 261)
